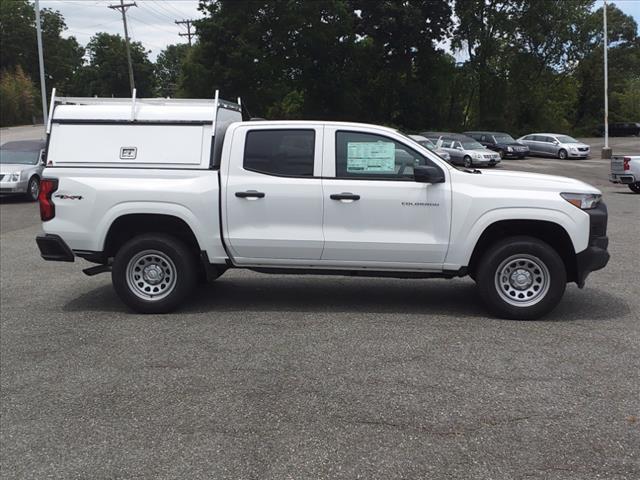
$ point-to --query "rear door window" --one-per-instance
(285, 153)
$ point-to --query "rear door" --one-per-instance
(375, 214)
(272, 195)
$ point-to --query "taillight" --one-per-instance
(47, 208)
(626, 163)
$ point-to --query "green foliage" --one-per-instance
(107, 72)
(530, 64)
(338, 59)
(168, 69)
(17, 97)
(62, 56)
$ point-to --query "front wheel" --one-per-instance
(521, 278)
(635, 187)
(33, 189)
(154, 273)
(562, 154)
(467, 161)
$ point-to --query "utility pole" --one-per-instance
(606, 151)
(123, 7)
(43, 87)
(188, 24)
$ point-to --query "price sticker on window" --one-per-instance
(371, 157)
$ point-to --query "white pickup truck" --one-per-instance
(625, 169)
(164, 193)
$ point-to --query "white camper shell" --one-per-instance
(136, 133)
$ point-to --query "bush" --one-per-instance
(17, 98)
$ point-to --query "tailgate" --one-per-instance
(617, 164)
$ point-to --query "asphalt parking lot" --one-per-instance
(269, 377)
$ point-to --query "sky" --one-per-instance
(151, 22)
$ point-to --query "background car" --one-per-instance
(555, 145)
(621, 129)
(500, 142)
(463, 150)
(21, 167)
(428, 144)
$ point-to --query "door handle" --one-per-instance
(250, 194)
(344, 196)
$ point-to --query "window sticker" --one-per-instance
(371, 157)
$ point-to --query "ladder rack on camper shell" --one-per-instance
(214, 104)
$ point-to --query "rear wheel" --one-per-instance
(521, 278)
(562, 154)
(33, 189)
(467, 161)
(635, 187)
(154, 273)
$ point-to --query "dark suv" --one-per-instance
(500, 142)
(621, 129)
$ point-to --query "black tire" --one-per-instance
(528, 254)
(562, 154)
(635, 187)
(33, 189)
(179, 263)
(467, 161)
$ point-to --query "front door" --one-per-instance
(273, 194)
(375, 214)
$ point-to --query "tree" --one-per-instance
(17, 92)
(107, 74)
(339, 59)
(168, 68)
(62, 56)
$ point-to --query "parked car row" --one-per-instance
(470, 148)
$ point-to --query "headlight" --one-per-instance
(14, 177)
(477, 156)
(585, 201)
(509, 149)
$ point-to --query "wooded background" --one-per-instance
(528, 64)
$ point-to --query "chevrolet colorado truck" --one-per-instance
(165, 193)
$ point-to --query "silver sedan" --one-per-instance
(555, 145)
(21, 166)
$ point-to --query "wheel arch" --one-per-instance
(547, 231)
(129, 225)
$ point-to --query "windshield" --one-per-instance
(471, 145)
(22, 158)
(504, 139)
(566, 139)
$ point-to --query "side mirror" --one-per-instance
(427, 174)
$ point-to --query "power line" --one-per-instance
(188, 24)
(123, 7)
(165, 8)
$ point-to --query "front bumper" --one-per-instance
(515, 154)
(571, 154)
(596, 255)
(53, 248)
(485, 162)
(13, 187)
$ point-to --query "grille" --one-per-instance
(583, 149)
(1, 177)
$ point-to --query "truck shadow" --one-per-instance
(453, 298)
